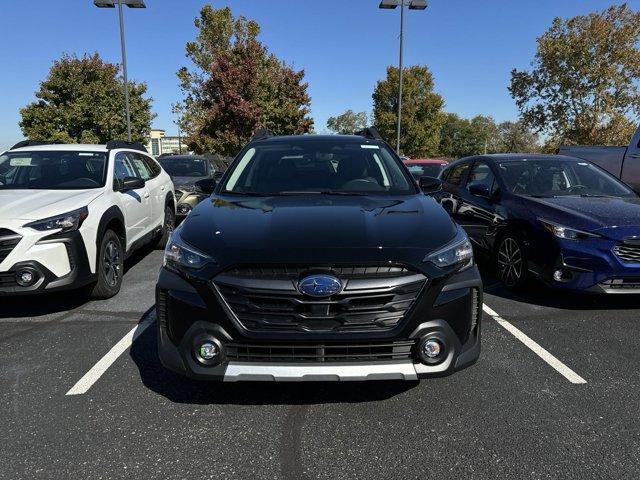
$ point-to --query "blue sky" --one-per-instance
(343, 45)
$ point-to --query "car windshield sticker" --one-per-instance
(20, 162)
(374, 147)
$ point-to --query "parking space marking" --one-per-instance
(93, 375)
(551, 360)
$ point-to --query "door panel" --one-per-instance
(134, 203)
(477, 214)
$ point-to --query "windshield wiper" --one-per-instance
(322, 192)
(250, 194)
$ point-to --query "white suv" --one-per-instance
(70, 214)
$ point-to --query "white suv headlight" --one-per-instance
(457, 252)
(179, 254)
(65, 223)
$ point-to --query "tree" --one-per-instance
(584, 84)
(460, 137)
(237, 86)
(516, 137)
(348, 122)
(82, 101)
(422, 116)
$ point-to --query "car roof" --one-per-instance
(318, 138)
(415, 161)
(515, 157)
(61, 147)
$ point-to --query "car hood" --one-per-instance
(22, 204)
(313, 229)
(613, 217)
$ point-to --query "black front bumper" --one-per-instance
(448, 308)
(79, 276)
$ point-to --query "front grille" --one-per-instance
(294, 273)
(8, 279)
(628, 253)
(373, 299)
(8, 241)
(322, 352)
(622, 284)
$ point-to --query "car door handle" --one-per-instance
(162, 188)
(146, 194)
(634, 155)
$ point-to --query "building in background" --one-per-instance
(159, 143)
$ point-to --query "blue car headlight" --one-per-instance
(179, 254)
(67, 222)
(566, 233)
(457, 252)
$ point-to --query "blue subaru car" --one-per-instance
(563, 220)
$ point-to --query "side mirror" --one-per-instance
(131, 183)
(479, 190)
(206, 186)
(430, 184)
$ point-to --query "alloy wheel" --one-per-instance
(112, 263)
(510, 262)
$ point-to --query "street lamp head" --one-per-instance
(113, 3)
(389, 4)
(418, 5)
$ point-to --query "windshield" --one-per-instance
(323, 166)
(52, 170)
(185, 166)
(418, 170)
(554, 178)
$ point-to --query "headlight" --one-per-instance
(567, 233)
(181, 255)
(184, 208)
(65, 223)
(457, 252)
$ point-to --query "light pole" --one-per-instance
(413, 5)
(130, 4)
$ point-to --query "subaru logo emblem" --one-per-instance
(320, 285)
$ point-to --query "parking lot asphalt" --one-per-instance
(512, 415)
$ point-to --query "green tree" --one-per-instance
(461, 137)
(348, 122)
(237, 86)
(82, 101)
(584, 84)
(422, 116)
(516, 137)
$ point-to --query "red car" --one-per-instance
(425, 167)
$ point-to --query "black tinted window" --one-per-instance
(318, 166)
(457, 173)
(481, 174)
(185, 166)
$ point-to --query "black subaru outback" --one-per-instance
(318, 258)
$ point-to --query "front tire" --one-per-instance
(167, 227)
(110, 267)
(511, 262)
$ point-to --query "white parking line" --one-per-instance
(560, 367)
(92, 376)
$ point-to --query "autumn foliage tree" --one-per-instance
(82, 101)
(584, 86)
(348, 122)
(237, 87)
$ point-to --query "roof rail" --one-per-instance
(36, 143)
(262, 133)
(113, 144)
(370, 132)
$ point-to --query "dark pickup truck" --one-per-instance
(623, 162)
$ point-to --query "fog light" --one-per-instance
(184, 209)
(431, 348)
(26, 278)
(562, 276)
(208, 351)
